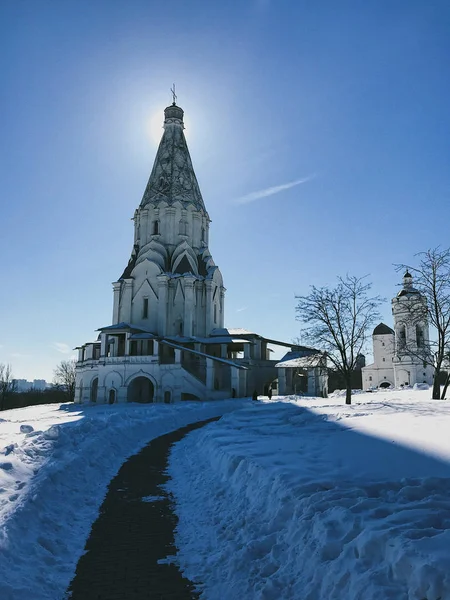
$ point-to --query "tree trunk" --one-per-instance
(436, 387)
(348, 389)
(447, 381)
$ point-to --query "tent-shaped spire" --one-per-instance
(172, 177)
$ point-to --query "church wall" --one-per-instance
(383, 349)
(382, 369)
(175, 224)
(373, 377)
(118, 376)
(409, 371)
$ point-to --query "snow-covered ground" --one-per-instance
(55, 464)
(311, 499)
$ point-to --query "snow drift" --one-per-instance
(54, 470)
(279, 501)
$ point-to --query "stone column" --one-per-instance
(223, 351)
(196, 230)
(222, 307)
(247, 348)
(264, 352)
(155, 348)
(257, 350)
(209, 307)
(177, 356)
(163, 285)
(145, 231)
(103, 344)
(170, 232)
(116, 302)
(127, 343)
(188, 304)
(127, 297)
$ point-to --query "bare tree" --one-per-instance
(64, 377)
(338, 321)
(7, 384)
(432, 280)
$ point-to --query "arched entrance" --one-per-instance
(141, 389)
(112, 396)
(385, 384)
(94, 389)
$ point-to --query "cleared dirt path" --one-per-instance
(131, 535)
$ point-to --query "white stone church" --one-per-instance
(401, 355)
(167, 341)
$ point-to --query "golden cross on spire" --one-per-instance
(174, 96)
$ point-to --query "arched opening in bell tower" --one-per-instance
(401, 341)
(419, 336)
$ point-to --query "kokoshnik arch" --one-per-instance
(167, 341)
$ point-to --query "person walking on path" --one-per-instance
(255, 395)
(269, 393)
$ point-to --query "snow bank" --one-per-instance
(56, 463)
(317, 500)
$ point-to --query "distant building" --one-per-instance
(39, 384)
(167, 341)
(402, 355)
(22, 385)
(360, 362)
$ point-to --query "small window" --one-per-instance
(155, 227)
(424, 374)
(370, 378)
(183, 227)
(382, 343)
(215, 313)
(145, 309)
(384, 360)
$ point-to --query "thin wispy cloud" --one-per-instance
(62, 347)
(241, 309)
(273, 190)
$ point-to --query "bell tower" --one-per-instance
(171, 286)
(411, 358)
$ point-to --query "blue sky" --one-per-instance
(348, 100)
